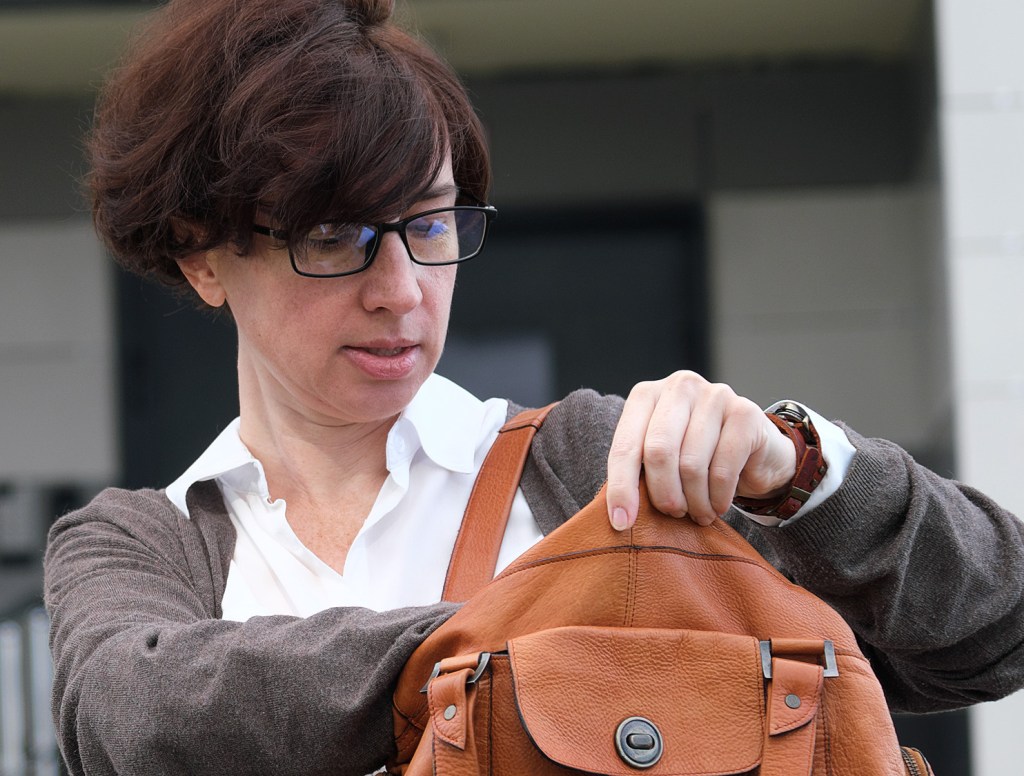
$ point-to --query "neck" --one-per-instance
(309, 458)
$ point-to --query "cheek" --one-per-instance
(439, 287)
(441, 301)
(283, 319)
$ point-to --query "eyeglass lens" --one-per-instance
(438, 237)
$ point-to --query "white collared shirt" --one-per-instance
(434, 451)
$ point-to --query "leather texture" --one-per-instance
(478, 543)
(668, 621)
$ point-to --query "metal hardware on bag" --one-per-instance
(831, 667)
(793, 701)
(481, 666)
(450, 712)
(908, 759)
(638, 742)
(766, 661)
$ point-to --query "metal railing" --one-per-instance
(28, 744)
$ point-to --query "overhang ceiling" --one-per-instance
(67, 47)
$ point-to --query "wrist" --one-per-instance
(810, 468)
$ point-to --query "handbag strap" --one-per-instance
(475, 556)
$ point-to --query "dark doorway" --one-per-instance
(177, 378)
(599, 298)
(942, 738)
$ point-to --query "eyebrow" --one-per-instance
(440, 191)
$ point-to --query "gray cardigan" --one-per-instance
(149, 680)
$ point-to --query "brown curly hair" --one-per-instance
(308, 110)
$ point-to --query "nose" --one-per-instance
(392, 282)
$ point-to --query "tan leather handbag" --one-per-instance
(668, 648)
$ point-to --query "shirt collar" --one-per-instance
(442, 419)
(226, 454)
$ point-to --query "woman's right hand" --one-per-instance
(699, 445)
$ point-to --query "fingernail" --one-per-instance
(620, 520)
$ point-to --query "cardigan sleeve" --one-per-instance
(927, 571)
(148, 681)
(568, 461)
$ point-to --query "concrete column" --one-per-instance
(981, 84)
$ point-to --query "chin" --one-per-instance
(379, 401)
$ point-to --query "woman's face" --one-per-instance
(336, 350)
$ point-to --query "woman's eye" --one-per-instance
(329, 237)
(428, 229)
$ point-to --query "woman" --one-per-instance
(317, 173)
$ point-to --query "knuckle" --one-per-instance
(643, 388)
(617, 495)
(684, 380)
(670, 505)
(658, 451)
(700, 515)
(746, 409)
(687, 375)
(704, 518)
(720, 476)
(691, 465)
(623, 450)
(723, 392)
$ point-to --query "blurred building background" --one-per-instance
(806, 199)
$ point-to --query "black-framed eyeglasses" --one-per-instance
(444, 235)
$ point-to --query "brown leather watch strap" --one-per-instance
(792, 420)
(483, 524)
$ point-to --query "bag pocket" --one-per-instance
(611, 700)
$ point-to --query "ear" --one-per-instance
(201, 274)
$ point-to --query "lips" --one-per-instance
(384, 360)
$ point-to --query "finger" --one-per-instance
(626, 456)
(662, 447)
(703, 435)
(739, 436)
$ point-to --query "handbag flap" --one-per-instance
(703, 692)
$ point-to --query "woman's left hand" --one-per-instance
(699, 445)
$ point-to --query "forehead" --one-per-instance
(443, 186)
(444, 182)
(446, 174)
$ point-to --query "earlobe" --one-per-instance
(202, 276)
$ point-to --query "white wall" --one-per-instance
(57, 419)
(982, 113)
(827, 296)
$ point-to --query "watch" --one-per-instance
(792, 420)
